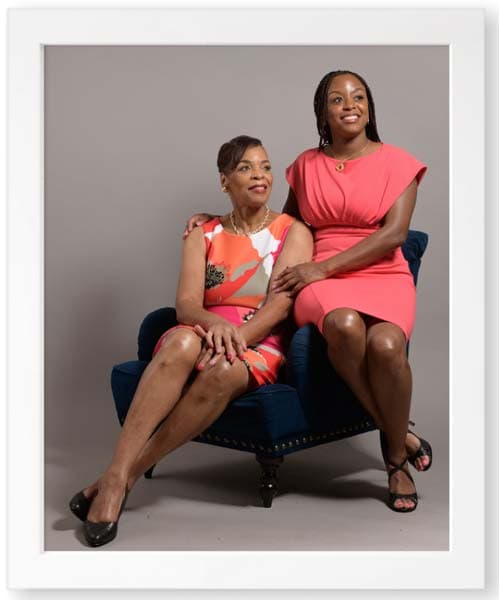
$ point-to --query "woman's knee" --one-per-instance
(180, 346)
(222, 380)
(343, 324)
(387, 347)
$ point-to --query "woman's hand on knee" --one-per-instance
(204, 357)
(226, 339)
(221, 339)
(208, 357)
(295, 278)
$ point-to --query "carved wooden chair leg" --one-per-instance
(269, 482)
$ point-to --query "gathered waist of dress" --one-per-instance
(336, 238)
(330, 241)
(334, 230)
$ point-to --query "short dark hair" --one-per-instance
(232, 151)
(320, 108)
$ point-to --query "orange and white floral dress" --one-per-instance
(238, 270)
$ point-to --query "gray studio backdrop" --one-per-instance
(131, 138)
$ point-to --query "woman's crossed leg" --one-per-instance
(164, 391)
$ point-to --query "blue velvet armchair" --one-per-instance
(310, 405)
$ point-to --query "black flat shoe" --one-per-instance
(98, 534)
(423, 450)
(393, 496)
(79, 505)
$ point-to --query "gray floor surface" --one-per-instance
(203, 497)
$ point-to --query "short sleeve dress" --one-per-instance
(238, 270)
(344, 207)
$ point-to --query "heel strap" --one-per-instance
(398, 467)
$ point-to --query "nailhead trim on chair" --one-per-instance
(309, 440)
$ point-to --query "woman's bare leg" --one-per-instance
(345, 333)
(391, 383)
(202, 403)
(199, 407)
(159, 389)
(363, 361)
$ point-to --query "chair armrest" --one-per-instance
(152, 328)
(413, 249)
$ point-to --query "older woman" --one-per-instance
(230, 339)
(359, 195)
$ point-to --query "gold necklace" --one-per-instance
(248, 233)
(341, 165)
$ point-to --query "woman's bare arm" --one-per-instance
(297, 248)
(190, 289)
(391, 234)
(291, 206)
(219, 334)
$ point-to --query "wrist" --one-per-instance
(326, 268)
(211, 320)
(244, 333)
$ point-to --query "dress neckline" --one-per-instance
(351, 160)
(248, 236)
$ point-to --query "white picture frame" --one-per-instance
(29, 566)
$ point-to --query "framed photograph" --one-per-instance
(115, 121)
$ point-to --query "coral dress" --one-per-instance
(238, 270)
(343, 208)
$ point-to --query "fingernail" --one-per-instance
(230, 357)
(200, 367)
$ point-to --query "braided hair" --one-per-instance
(320, 109)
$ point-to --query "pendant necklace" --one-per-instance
(341, 165)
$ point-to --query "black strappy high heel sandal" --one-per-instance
(394, 496)
(423, 450)
(98, 534)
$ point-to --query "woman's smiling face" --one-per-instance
(250, 183)
(347, 106)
